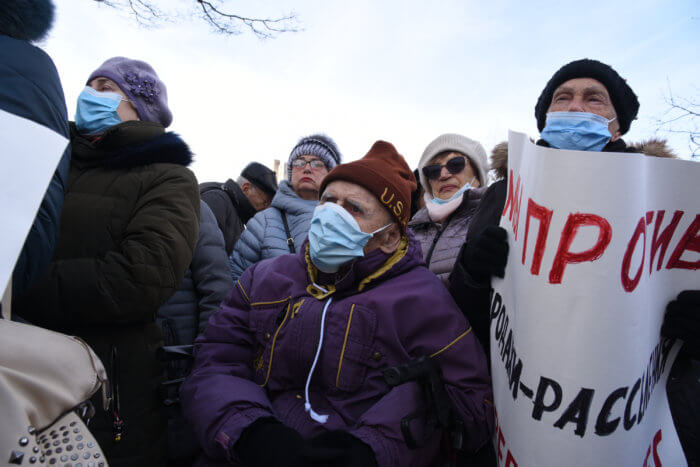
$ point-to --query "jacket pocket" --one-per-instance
(356, 351)
(267, 321)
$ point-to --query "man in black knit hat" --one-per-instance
(587, 106)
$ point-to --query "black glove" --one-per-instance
(486, 255)
(682, 321)
(337, 449)
(269, 443)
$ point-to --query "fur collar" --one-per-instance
(129, 144)
(166, 148)
(651, 147)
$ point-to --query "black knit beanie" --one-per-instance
(623, 98)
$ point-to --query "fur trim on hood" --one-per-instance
(27, 20)
(651, 147)
(499, 160)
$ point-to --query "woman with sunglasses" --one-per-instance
(283, 227)
(452, 169)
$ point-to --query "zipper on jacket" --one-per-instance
(118, 424)
(432, 247)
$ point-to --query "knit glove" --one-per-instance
(269, 443)
(486, 255)
(337, 449)
(682, 321)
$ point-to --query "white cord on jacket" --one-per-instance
(307, 405)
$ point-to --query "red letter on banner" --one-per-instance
(564, 256)
(664, 239)
(691, 242)
(545, 216)
(513, 202)
(630, 284)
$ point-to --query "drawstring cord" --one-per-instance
(307, 405)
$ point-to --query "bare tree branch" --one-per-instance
(147, 14)
(264, 28)
(682, 117)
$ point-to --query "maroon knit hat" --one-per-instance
(139, 81)
(385, 173)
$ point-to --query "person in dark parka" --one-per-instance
(185, 315)
(593, 87)
(30, 88)
(128, 231)
(234, 203)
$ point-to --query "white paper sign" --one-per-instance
(30, 154)
(599, 244)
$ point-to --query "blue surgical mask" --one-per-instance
(335, 237)
(581, 131)
(458, 194)
(97, 111)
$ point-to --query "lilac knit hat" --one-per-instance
(139, 81)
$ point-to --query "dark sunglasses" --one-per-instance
(454, 166)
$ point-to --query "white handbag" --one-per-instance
(46, 381)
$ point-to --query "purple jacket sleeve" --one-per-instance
(219, 397)
(467, 383)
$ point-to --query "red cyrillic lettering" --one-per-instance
(657, 440)
(513, 202)
(501, 440)
(630, 284)
(545, 217)
(510, 460)
(664, 239)
(564, 256)
(690, 242)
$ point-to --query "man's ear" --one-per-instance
(391, 239)
(245, 187)
(617, 135)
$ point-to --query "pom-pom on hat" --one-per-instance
(385, 173)
(139, 81)
(317, 145)
(623, 98)
(27, 20)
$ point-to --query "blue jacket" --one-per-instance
(206, 284)
(30, 88)
(264, 236)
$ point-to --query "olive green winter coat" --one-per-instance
(128, 229)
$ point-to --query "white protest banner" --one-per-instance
(599, 244)
(30, 154)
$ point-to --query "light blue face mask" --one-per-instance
(335, 237)
(458, 194)
(581, 131)
(97, 111)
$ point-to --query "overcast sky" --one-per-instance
(403, 71)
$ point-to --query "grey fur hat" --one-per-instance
(453, 142)
(318, 145)
(27, 20)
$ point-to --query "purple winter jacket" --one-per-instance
(255, 356)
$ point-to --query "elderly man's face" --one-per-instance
(586, 95)
(367, 211)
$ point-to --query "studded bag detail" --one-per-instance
(46, 382)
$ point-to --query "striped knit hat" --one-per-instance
(318, 145)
